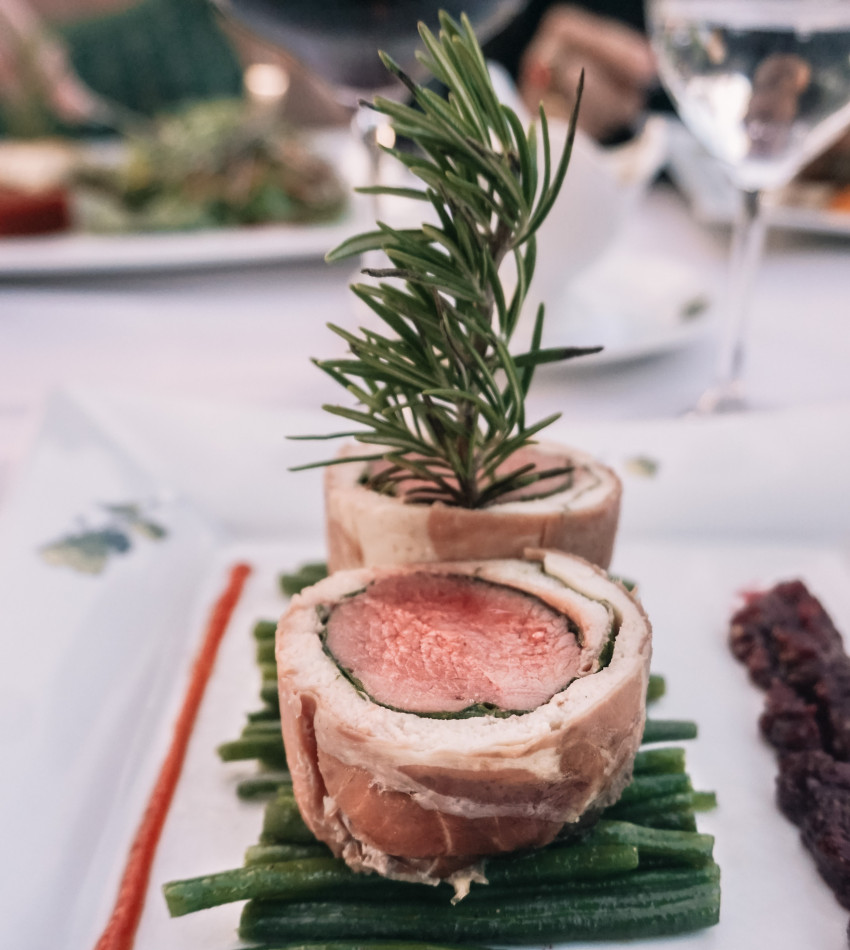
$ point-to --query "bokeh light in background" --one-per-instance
(266, 82)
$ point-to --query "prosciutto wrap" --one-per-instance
(365, 527)
(413, 792)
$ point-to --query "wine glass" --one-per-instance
(765, 86)
(339, 41)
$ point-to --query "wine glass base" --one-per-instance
(723, 399)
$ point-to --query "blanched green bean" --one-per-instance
(265, 629)
(282, 821)
(267, 748)
(663, 760)
(680, 900)
(659, 844)
(276, 853)
(669, 730)
(263, 784)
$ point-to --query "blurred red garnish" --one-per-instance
(33, 212)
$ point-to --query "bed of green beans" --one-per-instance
(643, 870)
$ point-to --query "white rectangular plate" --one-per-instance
(76, 252)
(94, 666)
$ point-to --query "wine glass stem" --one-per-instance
(367, 125)
(747, 245)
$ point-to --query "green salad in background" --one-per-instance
(212, 164)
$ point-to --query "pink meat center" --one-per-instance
(439, 643)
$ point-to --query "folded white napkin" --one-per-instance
(602, 187)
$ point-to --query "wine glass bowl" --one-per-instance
(339, 40)
(765, 86)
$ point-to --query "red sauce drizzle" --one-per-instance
(120, 931)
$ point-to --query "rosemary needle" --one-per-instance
(439, 395)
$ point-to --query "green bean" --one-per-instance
(676, 847)
(647, 810)
(266, 748)
(669, 730)
(663, 760)
(266, 713)
(306, 575)
(262, 727)
(683, 820)
(263, 784)
(265, 629)
(681, 900)
(276, 853)
(296, 879)
(656, 687)
(703, 801)
(646, 787)
(268, 693)
(627, 582)
(268, 672)
(374, 945)
(290, 880)
(646, 881)
(282, 821)
(564, 863)
(264, 652)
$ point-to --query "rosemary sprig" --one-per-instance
(440, 396)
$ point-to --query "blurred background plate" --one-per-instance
(635, 305)
(75, 253)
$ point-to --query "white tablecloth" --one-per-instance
(247, 333)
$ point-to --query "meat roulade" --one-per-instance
(577, 514)
(434, 714)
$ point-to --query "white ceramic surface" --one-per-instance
(635, 304)
(93, 666)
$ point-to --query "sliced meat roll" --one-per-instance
(577, 514)
(435, 714)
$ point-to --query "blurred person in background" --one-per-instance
(550, 43)
(63, 62)
(58, 57)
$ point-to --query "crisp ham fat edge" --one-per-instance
(415, 797)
